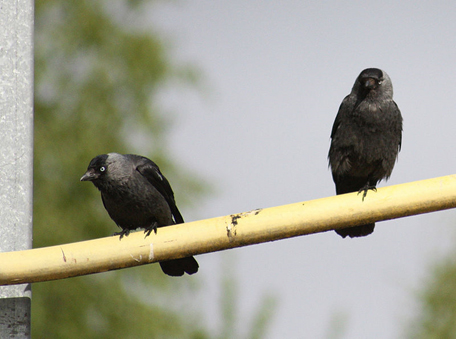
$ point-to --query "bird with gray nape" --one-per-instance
(137, 195)
(365, 140)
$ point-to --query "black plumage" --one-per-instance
(137, 195)
(365, 139)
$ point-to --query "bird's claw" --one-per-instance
(367, 188)
(124, 232)
(149, 230)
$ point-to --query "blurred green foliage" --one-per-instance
(436, 316)
(97, 77)
(99, 73)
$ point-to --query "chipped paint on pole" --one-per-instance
(16, 155)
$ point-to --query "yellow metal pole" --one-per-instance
(236, 230)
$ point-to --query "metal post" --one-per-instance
(16, 155)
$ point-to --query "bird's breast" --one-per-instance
(135, 206)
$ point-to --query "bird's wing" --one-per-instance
(343, 110)
(398, 123)
(151, 172)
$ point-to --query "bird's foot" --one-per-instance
(124, 232)
(148, 230)
(367, 188)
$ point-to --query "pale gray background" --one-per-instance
(275, 73)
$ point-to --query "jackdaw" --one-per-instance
(137, 195)
(365, 139)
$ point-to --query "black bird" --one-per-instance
(137, 195)
(365, 139)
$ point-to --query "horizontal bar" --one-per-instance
(236, 230)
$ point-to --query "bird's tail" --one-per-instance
(356, 231)
(178, 267)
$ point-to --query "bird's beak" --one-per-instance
(370, 83)
(89, 175)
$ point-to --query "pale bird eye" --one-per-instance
(102, 169)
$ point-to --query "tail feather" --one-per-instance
(347, 184)
(356, 231)
(178, 267)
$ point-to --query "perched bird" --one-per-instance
(365, 139)
(137, 195)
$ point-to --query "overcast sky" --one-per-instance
(274, 74)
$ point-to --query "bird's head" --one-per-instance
(108, 171)
(373, 79)
(97, 170)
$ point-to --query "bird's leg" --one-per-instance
(148, 230)
(124, 232)
(366, 188)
